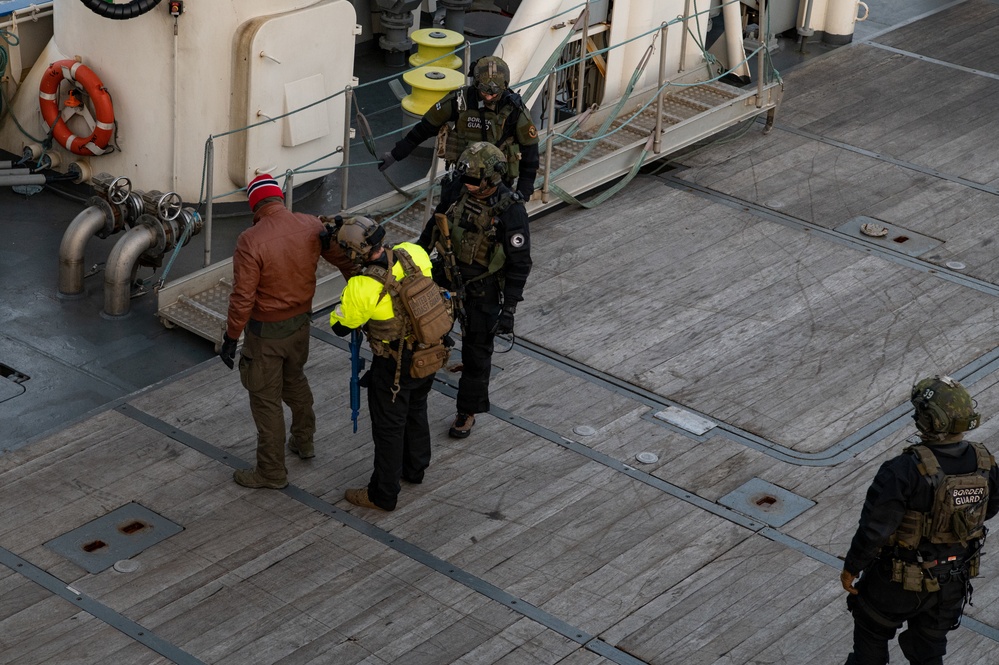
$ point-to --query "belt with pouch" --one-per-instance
(277, 329)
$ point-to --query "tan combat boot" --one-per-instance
(253, 479)
(359, 497)
(304, 450)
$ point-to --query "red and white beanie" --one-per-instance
(262, 187)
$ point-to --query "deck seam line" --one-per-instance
(888, 159)
(838, 237)
(96, 609)
(590, 642)
(934, 61)
(404, 547)
(909, 21)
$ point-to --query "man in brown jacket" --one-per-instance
(274, 280)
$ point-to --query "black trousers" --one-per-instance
(482, 310)
(883, 606)
(399, 428)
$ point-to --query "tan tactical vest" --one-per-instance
(473, 232)
(959, 503)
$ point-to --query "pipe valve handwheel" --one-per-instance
(119, 190)
(168, 206)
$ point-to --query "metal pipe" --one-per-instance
(24, 179)
(732, 20)
(657, 143)
(348, 96)
(429, 209)
(71, 249)
(551, 136)
(805, 28)
(209, 189)
(118, 269)
(289, 189)
(686, 31)
(761, 59)
(583, 39)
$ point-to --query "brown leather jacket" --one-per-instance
(274, 267)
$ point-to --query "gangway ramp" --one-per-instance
(689, 113)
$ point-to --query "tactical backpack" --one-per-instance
(427, 313)
(426, 305)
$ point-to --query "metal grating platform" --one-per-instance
(766, 502)
(121, 534)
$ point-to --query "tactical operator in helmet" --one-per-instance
(921, 531)
(397, 402)
(485, 111)
(492, 246)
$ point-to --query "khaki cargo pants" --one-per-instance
(271, 368)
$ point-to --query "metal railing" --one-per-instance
(658, 36)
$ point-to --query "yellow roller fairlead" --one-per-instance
(434, 43)
(429, 84)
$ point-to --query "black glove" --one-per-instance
(504, 325)
(228, 351)
(340, 330)
(387, 161)
(448, 341)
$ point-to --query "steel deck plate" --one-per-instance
(766, 502)
(122, 533)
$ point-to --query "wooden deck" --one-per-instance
(725, 289)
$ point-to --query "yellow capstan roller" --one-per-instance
(429, 84)
(436, 48)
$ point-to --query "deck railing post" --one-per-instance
(686, 33)
(657, 142)
(348, 97)
(551, 136)
(761, 56)
(581, 76)
(209, 186)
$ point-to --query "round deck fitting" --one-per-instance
(429, 85)
(436, 43)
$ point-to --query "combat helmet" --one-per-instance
(490, 75)
(943, 407)
(480, 162)
(358, 236)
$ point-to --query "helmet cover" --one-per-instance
(357, 236)
(480, 162)
(943, 406)
(491, 75)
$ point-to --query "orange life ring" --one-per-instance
(48, 94)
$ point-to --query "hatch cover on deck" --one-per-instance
(120, 534)
(766, 502)
(897, 238)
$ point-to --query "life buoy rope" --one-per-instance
(48, 94)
